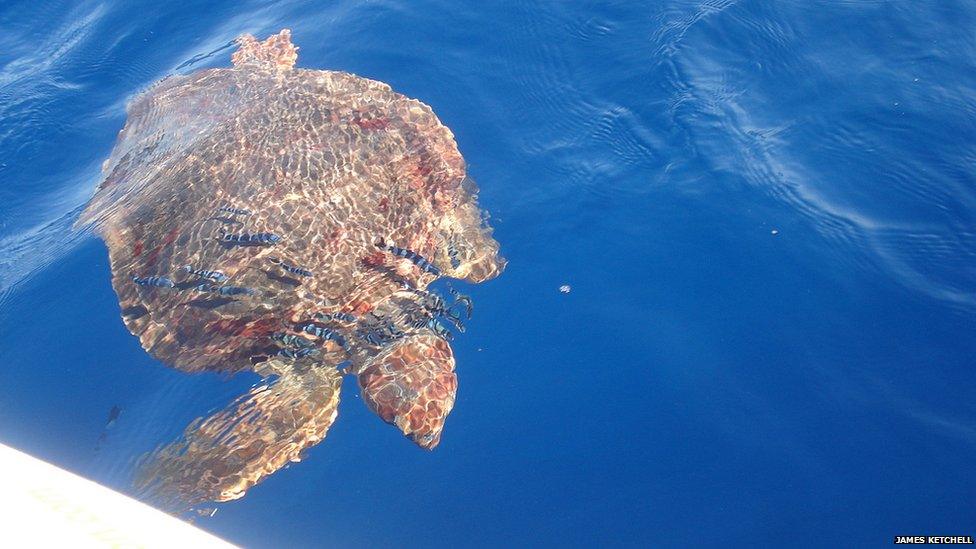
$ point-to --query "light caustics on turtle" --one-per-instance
(258, 193)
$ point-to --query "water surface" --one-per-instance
(765, 212)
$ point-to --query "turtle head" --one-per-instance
(467, 246)
(412, 385)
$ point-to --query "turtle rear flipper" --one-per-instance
(275, 53)
(218, 458)
(413, 386)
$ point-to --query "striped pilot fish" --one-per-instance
(226, 290)
(300, 271)
(248, 239)
(439, 329)
(323, 333)
(298, 353)
(154, 281)
(340, 317)
(292, 340)
(216, 276)
(462, 299)
(234, 211)
(414, 257)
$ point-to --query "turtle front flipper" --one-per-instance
(218, 458)
(412, 385)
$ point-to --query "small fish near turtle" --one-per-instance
(276, 156)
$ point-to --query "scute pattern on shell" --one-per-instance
(328, 161)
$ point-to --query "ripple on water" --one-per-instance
(940, 263)
(22, 255)
(905, 203)
(600, 142)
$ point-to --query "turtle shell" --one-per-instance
(241, 204)
(326, 161)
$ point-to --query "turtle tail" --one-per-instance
(220, 457)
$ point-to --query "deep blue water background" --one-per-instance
(705, 382)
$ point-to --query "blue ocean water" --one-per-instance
(765, 211)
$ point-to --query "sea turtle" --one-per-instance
(287, 222)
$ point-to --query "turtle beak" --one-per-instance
(413, 386)
(428, 441)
